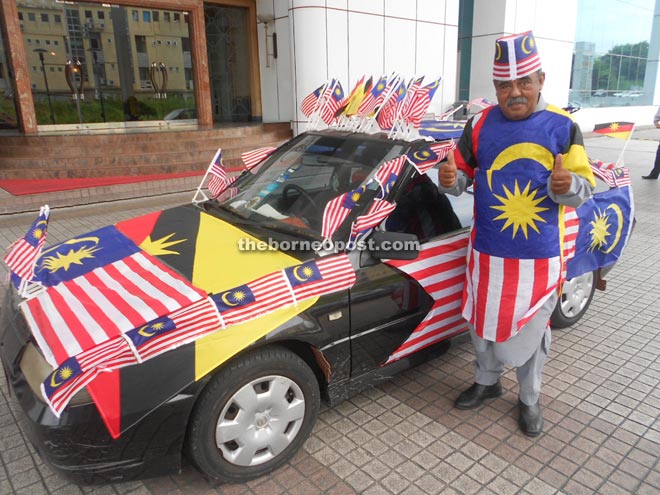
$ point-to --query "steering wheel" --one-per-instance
(301, 192)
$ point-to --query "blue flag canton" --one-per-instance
(37, 230)
(69, 370)
(379, 87)
(303, 274)
(142, 335)
(338, 93)
(352, 197)
(424, 156)
(388, 185)
(401, 91)
(234, 298)
(218, 160)
(78, 256)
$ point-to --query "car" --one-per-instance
(182, 114)
(214, 329)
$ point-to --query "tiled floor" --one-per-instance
(601, 397)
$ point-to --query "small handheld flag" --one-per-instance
(22, 254)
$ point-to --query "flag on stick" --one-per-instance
(619, 130)
(310, 101)
(254, 157)
(218, 180)
(22, 254)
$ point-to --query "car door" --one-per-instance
(401, 306)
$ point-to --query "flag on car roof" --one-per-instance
(421, 102)
(332, 102)
(388, 173)
(310, 101)
(619, 130)
(370, 100)
(23, 253)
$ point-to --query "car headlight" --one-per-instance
(35, 369)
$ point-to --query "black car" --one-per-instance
(241, 400)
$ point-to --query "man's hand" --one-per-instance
(447, 172)
(560, 179)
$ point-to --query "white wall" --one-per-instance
(349, 38)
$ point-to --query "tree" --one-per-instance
(623, 67)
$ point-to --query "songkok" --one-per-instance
(515, 56)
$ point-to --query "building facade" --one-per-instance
(91, 66)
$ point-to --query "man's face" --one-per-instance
(518, 98)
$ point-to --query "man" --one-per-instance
(527, 160)
(656, 166)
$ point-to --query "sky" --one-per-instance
(614, 22)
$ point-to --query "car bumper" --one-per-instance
(78, 444)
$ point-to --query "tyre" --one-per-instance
(576, 296)
(253, 415)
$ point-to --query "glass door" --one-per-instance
(229, 62)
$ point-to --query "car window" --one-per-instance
(294, 185)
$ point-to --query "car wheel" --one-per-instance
(253, 415)
(576, 296)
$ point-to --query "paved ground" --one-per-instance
(601, 398)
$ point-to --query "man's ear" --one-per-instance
(541, 79)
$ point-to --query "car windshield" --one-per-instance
(291, 188)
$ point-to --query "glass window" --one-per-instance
(20, 16)
(177, 17)
(44, 17)
(154, 15)
(114, 80)
(611, 53)
(57, 18)
(31, 17)
(146, 16)
(8, 118)
(166, 16)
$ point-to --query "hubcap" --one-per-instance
(575, 294)
(260, 420)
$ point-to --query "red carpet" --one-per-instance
(20, 187)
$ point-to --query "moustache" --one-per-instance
(518, 100)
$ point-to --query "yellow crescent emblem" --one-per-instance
(422, 155)
(522, 47)
(619, 230)
(95, 240)
(498, 51)
(224, 298)
(143, 331)
(296, 274)
(533, 151)
(53, 383)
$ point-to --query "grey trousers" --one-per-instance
(527, 351)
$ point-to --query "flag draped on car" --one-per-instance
(440, 270)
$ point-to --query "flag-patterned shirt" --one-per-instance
(515, 258)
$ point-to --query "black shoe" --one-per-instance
(474, 396)
(530, 419)
(650, 176)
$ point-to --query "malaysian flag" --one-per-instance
(218, 180)
(77, 372)
(255, 157)
(332, 103)
(388, 173)
(614, 176)
(378, 211)
(310, 101)
(23, 253)
(571, 229)
(174, 330)
(440, 270)
(338, 209)
(421, 100)
(368, 104)
(383, 96)
(411, 94)
(480, 102)
(321, 276)
(390, 108)
(79, 314)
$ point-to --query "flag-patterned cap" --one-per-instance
(516, 56)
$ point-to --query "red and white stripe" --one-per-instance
(218, 180)
(89, 310)
(337, 274)
(378, 211)
(571, 230)
(21, 255)
(522, 286)
(255, 157)
(388, 168)
(334, 214)
(440, 270)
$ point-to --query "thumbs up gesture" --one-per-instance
(447, 171)
(560, 178)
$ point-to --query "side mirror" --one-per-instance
(393, 245)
